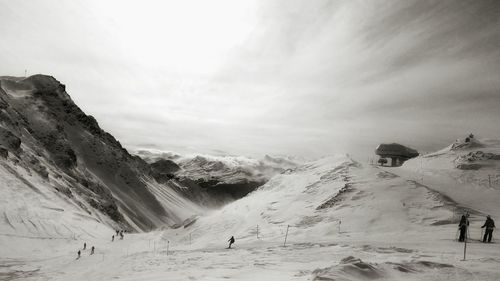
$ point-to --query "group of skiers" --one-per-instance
(118, 233)
(84, 248)
(489, 225)
(462, 226)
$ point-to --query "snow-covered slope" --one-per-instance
(467, 172)
(52, 152)
(342, 221)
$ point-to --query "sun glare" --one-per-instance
(189, 36)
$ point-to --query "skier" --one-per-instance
(489, 224)
(464, 223)
(121, 235)
(84, 245)
(92, 250)
(231, 242)
(79, 253)
(112, 238)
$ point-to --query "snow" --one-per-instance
(347, 221)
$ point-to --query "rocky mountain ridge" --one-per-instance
(44, 131)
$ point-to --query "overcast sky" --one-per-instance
(277, 77)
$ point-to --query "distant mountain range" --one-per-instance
(224, 178)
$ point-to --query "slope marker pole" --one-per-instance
(284, 243)
(465, 245)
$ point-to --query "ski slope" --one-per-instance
(345, 221)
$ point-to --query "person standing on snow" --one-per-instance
(84, 245)
(92, 250)
(464, 223)
(489, 224)
(231, 242)
(112, 238)
(79, 253)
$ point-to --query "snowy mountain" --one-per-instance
(57, 163)
(224, 178)
(330, 219)
(67, 182)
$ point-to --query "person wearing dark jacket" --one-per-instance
(231, 241)
(464, 223)
(489, 224)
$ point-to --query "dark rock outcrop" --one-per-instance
(164, 170)
(4, 153)
(9, 140)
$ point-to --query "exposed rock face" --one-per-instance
(61, 141)
(9, 141)
(475, 160)
(4, 153)
(164, 170)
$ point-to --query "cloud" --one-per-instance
(287, 77)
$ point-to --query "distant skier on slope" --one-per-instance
(231, 242)
(112, 238)
(464, 223)
(92, 250)
(79, 253)
(84, 245)
(489, 224)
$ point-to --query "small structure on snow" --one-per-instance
(396, 152)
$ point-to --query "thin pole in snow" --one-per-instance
(257, 231)
(168, 244)
(340, 222)
(284, 243)
(189, 239)
(465, 245)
